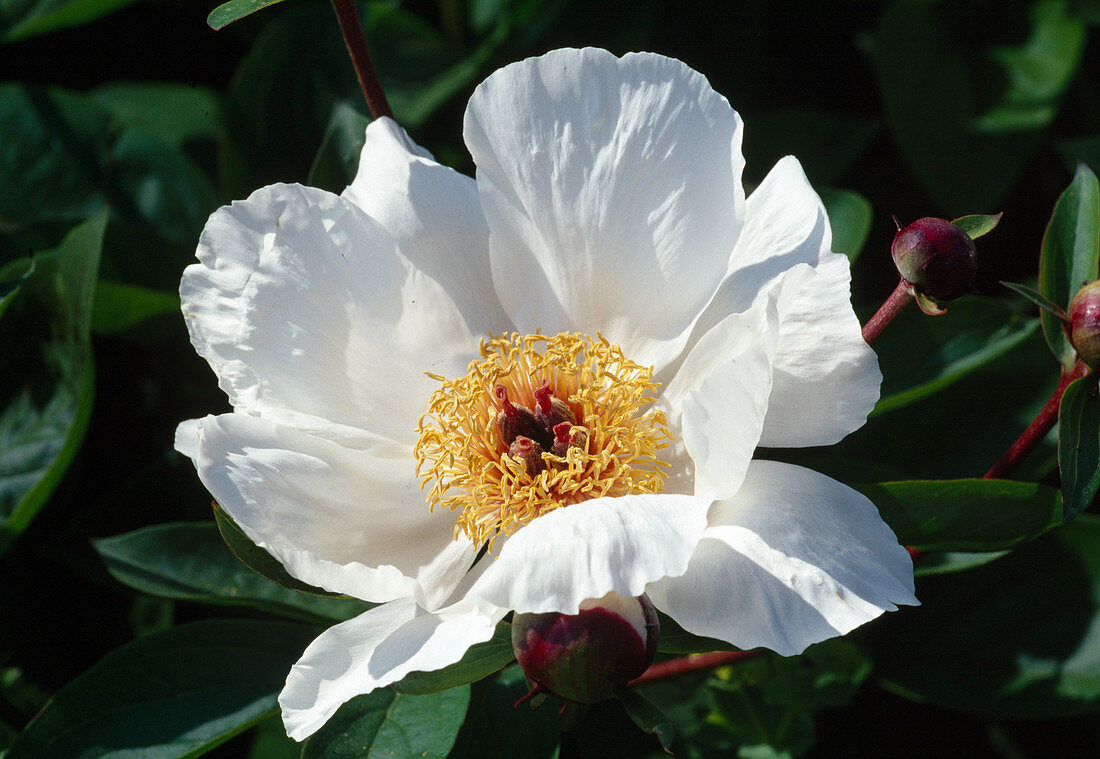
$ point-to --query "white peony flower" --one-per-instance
(384, 350)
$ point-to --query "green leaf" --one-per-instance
(930, 89)
(259, 560)
(1033, 295)
(338, 157)
(850, 217)
(190, 562)
(12, 277)
(21, 20)
(480, 660)
(1038, 71)
(174, 113)
(965, 515)
(177, 693)
(1018, 638)
(978, 224)
(120, 307)
(649, 717)
(56, 172)
(531, 733)
(1071, 249)
(676, 640)
(921, 357)
(47, 396)
(226, 13)
(946, 562)
(1079, 446)
(392, 725)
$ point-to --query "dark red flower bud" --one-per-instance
(935, 256)
(589, 656)
(1084, 324)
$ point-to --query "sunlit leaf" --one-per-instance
(1071, 250)
(48, 392)
(965, 515)
(177, 693)
(174, 113)
(1079, 446)
(120, 307)
(395, 725)
(190, 562)
(227, 13)
(978, 224)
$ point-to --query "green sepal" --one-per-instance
(927, 304)
(649, 717)
(978, 224)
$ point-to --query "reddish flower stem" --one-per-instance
(894, 305)
(1037, 430)
(694, 663)
(347, 14)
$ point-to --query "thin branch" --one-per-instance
(894, 305)
(352, 28)
(694, 663)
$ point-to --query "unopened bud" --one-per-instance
(1084, 324)
(589, 656)
(935, 256)
(529, 452)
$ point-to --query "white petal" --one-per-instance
(585, 550)
(718, 398)
(434, 214)
(792, 559)
(826, 377)
(612, 189)
(310, 316)
(375, 649)
(350, 521)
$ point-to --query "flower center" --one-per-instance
(538, 423)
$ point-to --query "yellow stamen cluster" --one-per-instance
(463, 460)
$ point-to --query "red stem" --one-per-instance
(1037, 430)
(894, 305)
(347, 14)
(694, 663)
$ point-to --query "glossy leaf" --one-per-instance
(1018, 638)
(119, 307)
(226, 13)
(199, 685)
(978, 224)
(393, 725)
(1079, 446)
(190, 562)
(480, 660)
(259, 560)
(965, 515)
(48, 395)
(21, 20)
(921, 357)
(850, 217)
(1071, 250)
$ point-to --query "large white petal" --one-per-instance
(826, 377)
(434, 214)
(590, 548)
(794, 558)
(612, 189)
(717, 400)
(348, 520)
(375, 649)
(306, 311)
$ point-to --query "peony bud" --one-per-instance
(1084, 324)
(589, 656)
(935, 256)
